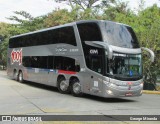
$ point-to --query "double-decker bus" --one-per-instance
(97, 57)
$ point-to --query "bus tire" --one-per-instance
(76, 88)
(15, 76)
(20, 77)
(62, 85)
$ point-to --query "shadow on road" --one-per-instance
(108, 100)
(42, 86)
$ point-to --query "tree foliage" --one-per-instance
(4, 34)
(84, 4)
(58, 17)
(87, 4)
(149, 36)
(26, 22)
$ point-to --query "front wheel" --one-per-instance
(20, 77)
(63, 87)
(76, 88)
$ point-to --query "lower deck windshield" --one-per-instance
(125, 66)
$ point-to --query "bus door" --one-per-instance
(96, 65)
(51, 71)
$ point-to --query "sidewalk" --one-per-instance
(151, 92)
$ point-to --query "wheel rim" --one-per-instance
(63, 85)
(76, 88)
(20, 77)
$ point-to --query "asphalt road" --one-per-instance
(30, 98)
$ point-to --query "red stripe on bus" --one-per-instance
(66, 72)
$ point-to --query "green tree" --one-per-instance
(58, 17)
(4, 34)
(117, 12)
(26, 22)
(149, 36)
(87, 4)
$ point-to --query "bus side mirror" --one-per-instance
(150, 52)
(101, 44)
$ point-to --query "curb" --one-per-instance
(151, 92)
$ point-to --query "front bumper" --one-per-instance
(113, 90)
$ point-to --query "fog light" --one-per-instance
(109, 92)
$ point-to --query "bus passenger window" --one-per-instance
(34, 62)
(42, 61)
(58, 61)
(69, 64)
(50, 62)
(26, 61)
(96, 64)
(67, 35)
(66, 63)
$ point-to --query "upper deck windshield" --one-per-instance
(120, 35)
(125, 66)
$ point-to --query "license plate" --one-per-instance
(129, 94)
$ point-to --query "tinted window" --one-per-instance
(67, 64)
(89, 32)
(120, 35)
(58, 62)
(26, 61)
(35, 61)
(60, 35)
(95, 63)
(42, 62)
(50, 62)
(66, 35)
(93, 55)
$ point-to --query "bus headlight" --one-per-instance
(141, 85)
(109, 92)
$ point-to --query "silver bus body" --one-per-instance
(98, 67)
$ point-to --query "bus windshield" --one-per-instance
(120, 35)
(125, 66)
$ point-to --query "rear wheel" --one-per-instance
(76, 88)
(20, 77)
(63, 87)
